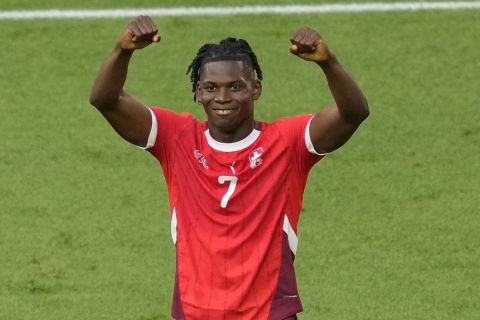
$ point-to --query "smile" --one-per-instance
(224, 112)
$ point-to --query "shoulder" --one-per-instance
(163, 113)
(291, 126)
(167, 126)
(299, 120)
(296, 131)
(172, 121)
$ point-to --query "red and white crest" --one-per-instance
(255, 157)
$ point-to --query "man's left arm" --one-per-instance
(335, 124)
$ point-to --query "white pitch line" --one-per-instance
(237, 10)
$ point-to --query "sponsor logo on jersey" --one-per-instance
(255, 157)
(201, 159)
(232, 168)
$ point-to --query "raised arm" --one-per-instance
(125, 113)
(335, 124)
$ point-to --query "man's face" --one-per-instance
(227, 91)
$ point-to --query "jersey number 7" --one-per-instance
(231, 188)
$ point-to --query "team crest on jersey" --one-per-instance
(199, 156)
(255, 157)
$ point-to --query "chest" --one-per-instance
(266, 155)
(221, 180)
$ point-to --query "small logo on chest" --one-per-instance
(255, 157)
(201, 159)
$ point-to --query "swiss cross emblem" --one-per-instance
(255, 157)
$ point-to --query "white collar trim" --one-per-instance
(234, 146)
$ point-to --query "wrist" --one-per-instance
(329, 62)
(122, 51)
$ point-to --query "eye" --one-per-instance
(209, 88)
(236, 86)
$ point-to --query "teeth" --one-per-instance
(224, 112)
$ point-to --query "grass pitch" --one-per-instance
(390, 224)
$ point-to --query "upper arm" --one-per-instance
(130, 118)
(329, 131)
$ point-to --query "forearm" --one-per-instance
(349, 98)
(108, 85)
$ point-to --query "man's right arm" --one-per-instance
(130, 118)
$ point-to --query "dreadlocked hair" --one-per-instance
(228, 49)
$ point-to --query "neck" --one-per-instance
(228, 137)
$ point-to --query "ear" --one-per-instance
(257, 89)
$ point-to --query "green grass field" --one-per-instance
(24, 4)
(390, 228)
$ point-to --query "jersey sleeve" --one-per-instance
(166, 125)
(296, 131)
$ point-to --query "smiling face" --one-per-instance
(227, 90)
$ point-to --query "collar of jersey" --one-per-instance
(233, 146)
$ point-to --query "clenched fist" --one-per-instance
(309, 45)
(139, 33)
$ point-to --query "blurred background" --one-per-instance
(390, 223)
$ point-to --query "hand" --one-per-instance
(139, 33)
(309, 45)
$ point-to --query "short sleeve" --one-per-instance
(152, 136)
(295, 131)
(166, 125)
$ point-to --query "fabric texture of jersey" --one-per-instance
(235, 210)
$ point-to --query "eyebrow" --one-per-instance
(227, 83)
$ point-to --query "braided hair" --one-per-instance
(228, 49)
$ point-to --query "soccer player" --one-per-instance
(235, 184)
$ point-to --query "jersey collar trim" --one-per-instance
(234, 146)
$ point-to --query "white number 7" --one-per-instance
(231, 188)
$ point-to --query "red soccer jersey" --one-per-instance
(235, 209)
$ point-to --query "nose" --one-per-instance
(222, 95)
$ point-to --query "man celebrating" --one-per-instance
(235, 184)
